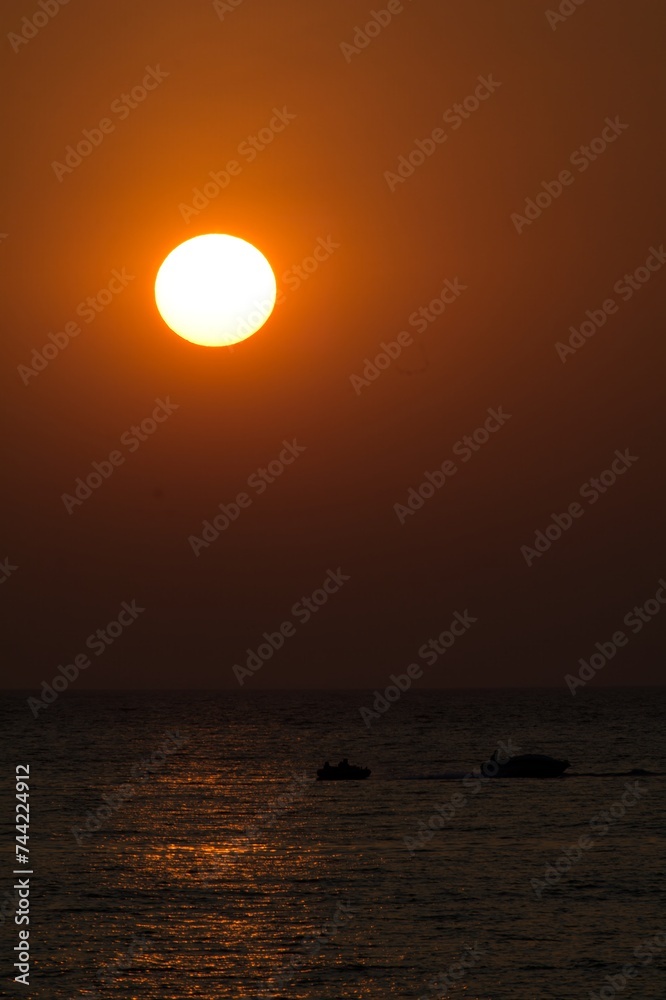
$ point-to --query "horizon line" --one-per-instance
(321, 690)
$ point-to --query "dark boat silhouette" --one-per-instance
(530, 765)
(343, 772)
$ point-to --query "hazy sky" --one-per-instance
(405, 155)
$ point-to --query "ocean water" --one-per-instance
(216, 867)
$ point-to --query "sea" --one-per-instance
(181, 847)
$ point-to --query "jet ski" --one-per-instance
(530, 765)
(344, 771)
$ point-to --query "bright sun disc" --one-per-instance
(215, 290)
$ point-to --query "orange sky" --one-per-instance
(327, 179)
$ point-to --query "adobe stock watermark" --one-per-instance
(293, 278)
(97, 642)
(563, 12)
(217, 863)
(465, 448)
(440, 987)
(473, 783)
(420, 320)
(9, 906)
(259, 481)
(430, 652)
(140, 774)
(591, 490)
(31, 26)
(581, 159)
(303, 610)
(248, 149)
(454, 116)
(378, 20)
(88, 309)
(6, 569)
(646, 950)
(636, 620)
(121, 107)
(626, 287)
(223, 7)
(131, 439)
(600, 824)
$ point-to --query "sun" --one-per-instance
(215, 290)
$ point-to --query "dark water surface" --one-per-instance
(218, 868)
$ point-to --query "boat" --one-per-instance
(344, 771)
(529, 765)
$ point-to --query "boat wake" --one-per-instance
(460, 775)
